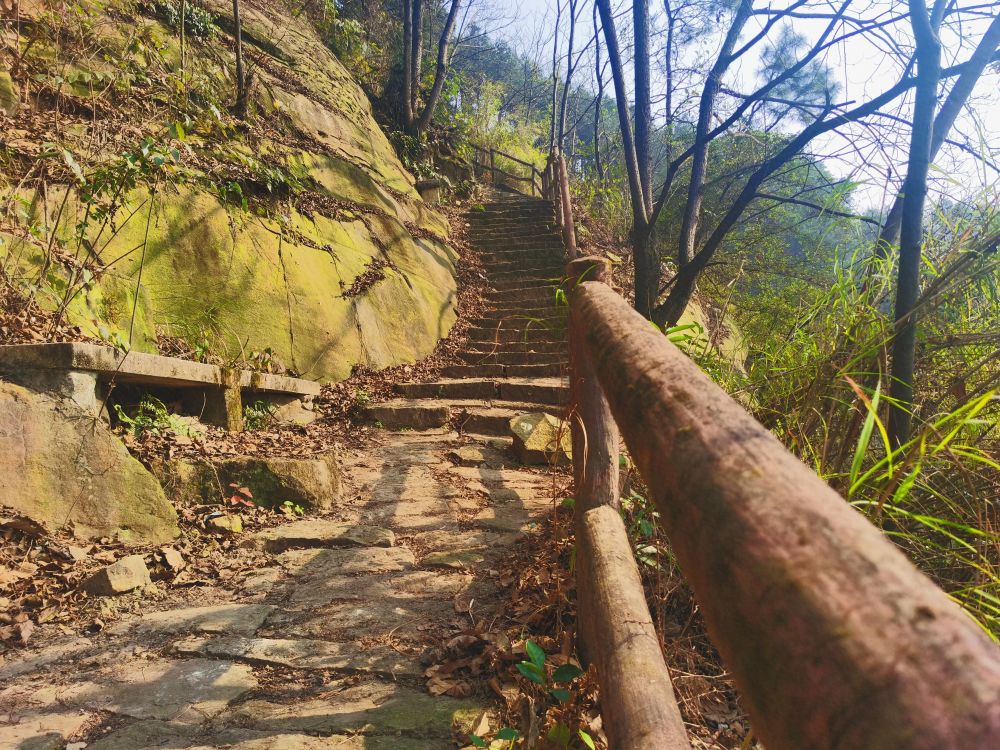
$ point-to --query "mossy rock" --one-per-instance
(64, 469)
(310, 482)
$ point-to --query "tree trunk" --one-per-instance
(643, 105)
(928, 52)
(407, 93)
(641, 235)
(242, 94)
(699, 157)
(953, 104)
(417, 50)
(599, 101)
(555, 78)
(569, 75)
(668, 62)
(441, 68)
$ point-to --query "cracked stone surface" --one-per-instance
(242, 619)
(318, 532)
(336, 622)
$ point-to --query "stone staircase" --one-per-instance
(515, 359)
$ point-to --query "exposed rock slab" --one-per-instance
(347, 561)
(318, 532)
(370, 708)
(540, 438)
(186, 691)
(508, 518)
(309, 482)
(317, 588)
(237, 619)
(41, 731)
(59, 467)
(362, 619)
(305, 654)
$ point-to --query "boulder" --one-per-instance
(295, 413)
(9, 99)
(119, 577)
(62, 468)
(540, 438)
(309, 482)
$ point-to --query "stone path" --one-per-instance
(322, 647)
(515, 361)
(324, 643)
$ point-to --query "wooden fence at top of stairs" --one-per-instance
(833, 636)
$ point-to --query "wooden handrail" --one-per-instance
(491, 153)
(835, 639)
(615, 628)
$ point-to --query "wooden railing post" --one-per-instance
(594, 432)
(566, 206)
(616, 631)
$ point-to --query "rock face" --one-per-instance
(353, 269)
(540, 438)
(309, 482)
(60, 467)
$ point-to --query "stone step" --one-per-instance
(549, 391)
(551, 320)
(465, 415)
(500, 332)
(490, 345)
(505, 309)
(512, 358)
(541, 262)
(521, 299)
(515, 251)
(517, 282)
(497, 242)
(511, 219)
(528, 267)
(519, 207)
(515, 228)
(503, 371)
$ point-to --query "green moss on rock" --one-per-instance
(64, 469)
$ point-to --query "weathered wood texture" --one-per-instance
(617, 634)
(835, 639)
(594, 432)
(616, 630)
(565, 207)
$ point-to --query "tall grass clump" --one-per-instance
(820, 381)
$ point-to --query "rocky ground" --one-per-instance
(333, 638)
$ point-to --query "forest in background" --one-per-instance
(716, 151)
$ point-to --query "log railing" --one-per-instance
(486, 163)
(834, 638)
(555, 187)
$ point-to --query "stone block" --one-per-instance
(119, 578)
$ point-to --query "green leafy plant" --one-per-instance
(258, 416)
(198, 22)
(291, 509)
(152, 417)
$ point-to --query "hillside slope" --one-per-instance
(139, 204)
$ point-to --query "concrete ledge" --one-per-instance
(139, 367)
(83, 373)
